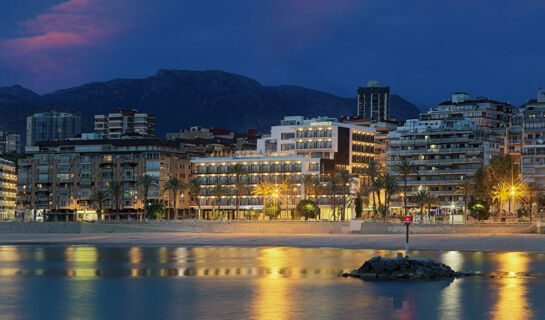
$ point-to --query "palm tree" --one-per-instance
(405, 168)
(316, 189)
(345, 180)
(264, 189)
(500, 192)
(422, 198)
(285, 187)
(116, 191)
(359, 198)
(391, 186)
(240, 187)
(308, 182)
(334, 188)
(372, 172)
(465, 189)
(175, 185)
(147, 181)
(194, 187)
(377, 186)
(219, 191)
(98, 198)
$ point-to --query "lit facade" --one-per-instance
(444, 153)
(339, 145)
(8, 190)
(273, 168)
(60, 177)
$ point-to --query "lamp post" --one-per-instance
(407, 223)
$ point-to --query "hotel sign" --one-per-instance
(321, 123)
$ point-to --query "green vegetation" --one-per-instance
(307, 209)
(155, 210)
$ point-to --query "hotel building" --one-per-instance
(8, 190)
(125, 123)
(274, 168)
(59, 177)
(338, 145)
(444, 151)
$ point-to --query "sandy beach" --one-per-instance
(488, 242)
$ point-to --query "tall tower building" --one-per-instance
(125, 123)
(51, 126)
(374, 101)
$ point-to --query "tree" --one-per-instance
(307, 209)
(372, 171)
(377, 186)
(500, 193)
(465, 189)
(98, 198)
(174, 186)
(391, 186)
(116, 191)
(194, 187)
(528, 197)
(240, 186)
(345, 179)
(405, 168)
(155, 210)
(219, 191)
(334, 188)
(147, 181)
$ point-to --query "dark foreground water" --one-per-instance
(82, 282)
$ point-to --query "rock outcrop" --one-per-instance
(404, 268)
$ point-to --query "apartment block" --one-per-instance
(8, 190)
(533, 140)
(490, 115)
(9, 142)
(125, 123)
(444, 151)
(59, 177)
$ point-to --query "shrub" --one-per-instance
(155, 210)
(479, 210)
(306, 209)
(272, 211)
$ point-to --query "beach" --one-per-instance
(459, 242)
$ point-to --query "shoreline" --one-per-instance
(446, 242)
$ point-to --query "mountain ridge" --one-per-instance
(183, 98)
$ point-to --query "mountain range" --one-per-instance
(180, 99)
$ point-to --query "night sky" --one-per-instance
(423, 50)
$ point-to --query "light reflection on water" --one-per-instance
(258, 283)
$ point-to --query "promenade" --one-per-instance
(469, 242)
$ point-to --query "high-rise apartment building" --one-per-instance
(51, 126)
(59, 177)
(444, 151)
(9, 142)
(533, 140)
(374, 101)
(125, 123)
(8, 190)
(490, 115)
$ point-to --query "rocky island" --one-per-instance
(404, 268)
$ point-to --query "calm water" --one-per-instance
(82, 282)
